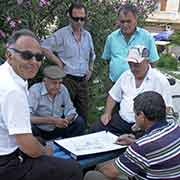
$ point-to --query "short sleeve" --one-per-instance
(15, 112)
(107, 51)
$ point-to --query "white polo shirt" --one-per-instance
(14, 109)
(124, 91)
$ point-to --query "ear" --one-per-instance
(9, 56)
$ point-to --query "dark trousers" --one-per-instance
(78, 90)
(77, 128)
(44, 167)
(117, 126)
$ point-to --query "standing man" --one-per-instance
(75, 50)
(52, 112)
(120, 41)
(21, 155)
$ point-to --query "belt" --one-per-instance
(76, 78)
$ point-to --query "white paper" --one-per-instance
(90, 144)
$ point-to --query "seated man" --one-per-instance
(141, 77)
(52, 112)
(156, 155)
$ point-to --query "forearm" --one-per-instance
(42, 120)
(110, 103)
(50, 55)
(30, 146)
(91, 65)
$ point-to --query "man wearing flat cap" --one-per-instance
(140, 78)
(52, 112)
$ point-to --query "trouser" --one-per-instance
(78, 90)
(18, 166)
(77, 128)
(117, 126)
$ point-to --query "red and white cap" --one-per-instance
(137, 54)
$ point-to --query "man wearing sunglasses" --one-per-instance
(121, 40)
(75, 50)
(52, 112)
(21, 154)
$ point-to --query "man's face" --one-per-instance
(78, 17)
(52, 86)
(140, 120)
(26, 68)
(138, 69)
(127, 23)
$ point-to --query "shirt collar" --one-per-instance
(19, 80)
(156, 125)
(71, 29)
(136, 31)
(44, 90)
(148, 74)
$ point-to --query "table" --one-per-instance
(87, 162)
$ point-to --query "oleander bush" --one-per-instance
(45, 16)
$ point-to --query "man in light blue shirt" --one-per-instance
(120, 41)
(74, 48)
(52, 112)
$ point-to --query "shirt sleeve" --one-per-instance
(115, 92)
(153, 56)
(107, 51)
(68, 105)
(55, 43)
(33, 100)
(15, 112)
(166, 91)
(133, 162)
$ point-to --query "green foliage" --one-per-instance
(40, 15)
(168, 62)
(175, 38)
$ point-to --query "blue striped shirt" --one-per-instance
(76, 56)
(154, 156)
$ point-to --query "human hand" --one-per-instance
(126, 139)
(88, 75)
(48, 150)
(62, 123)
(105, 118)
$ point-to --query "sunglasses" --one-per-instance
(78, 18)
(123, 21)
(28, 55)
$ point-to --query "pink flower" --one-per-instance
(20, 2)
(12, 24)
(43, 2)
(2, 34)
(8, 18)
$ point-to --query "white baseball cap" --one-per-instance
(137, 54)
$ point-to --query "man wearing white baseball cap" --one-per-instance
(140, 78)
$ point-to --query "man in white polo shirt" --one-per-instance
(140, 78)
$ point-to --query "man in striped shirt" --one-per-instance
(156, 155)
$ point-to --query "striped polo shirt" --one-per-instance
(154, 156)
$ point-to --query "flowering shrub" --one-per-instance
(144, 8)
(39, 15)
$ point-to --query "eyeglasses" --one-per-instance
(78, 18)
(123, 21)
(28, 55)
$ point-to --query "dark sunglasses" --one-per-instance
(78, 18)
(28, 55)
(123, 21)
